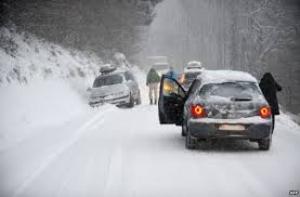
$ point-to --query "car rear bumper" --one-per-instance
(254, 128)
(115, 101)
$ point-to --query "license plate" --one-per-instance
(228, 127)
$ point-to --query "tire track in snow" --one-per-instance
(114, 174)
(115, 177)
(52, 157)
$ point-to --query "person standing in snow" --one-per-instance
(269, 88)
(152, 82)
(172, 74)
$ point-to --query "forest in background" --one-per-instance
(256, 36)
(102, 27)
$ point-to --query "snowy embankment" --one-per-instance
(41, 84)
(23, 58)
(36, 105)
(26, 108)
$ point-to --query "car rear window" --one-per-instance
(108, 80)
(231, 90)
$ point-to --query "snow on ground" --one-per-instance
(53, 144)
(26, 108)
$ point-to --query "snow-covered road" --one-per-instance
(109, 151)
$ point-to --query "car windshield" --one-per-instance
(108, 80)
(240, 89)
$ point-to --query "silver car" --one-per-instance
(118, 87)
(219, 104)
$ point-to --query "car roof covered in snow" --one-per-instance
(193, 69)
(194, 64)
(220, 76)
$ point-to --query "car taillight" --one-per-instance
(198, 111)
(265, 112)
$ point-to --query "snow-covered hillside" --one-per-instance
(42, 84)
(24, 57)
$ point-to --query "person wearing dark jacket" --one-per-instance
(269, 88)
(152, 82)
(171, 73)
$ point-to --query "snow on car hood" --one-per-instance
(108, 90)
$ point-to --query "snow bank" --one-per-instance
(37, 105)
(288, 120)
(41, 84)
(23, 57)
(47, 103)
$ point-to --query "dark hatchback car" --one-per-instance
(219, 104)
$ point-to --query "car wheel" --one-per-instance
(183, 128)
(161, 117)
(131, 101)
(190, 142)
(265, 144)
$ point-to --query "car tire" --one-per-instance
(131, 102)
(265, 144)
(190, 142)
(161, 117)
(183, 128)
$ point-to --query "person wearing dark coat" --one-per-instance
(269, 88)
